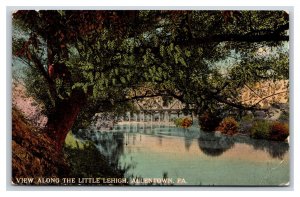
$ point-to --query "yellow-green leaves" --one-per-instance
(123, 80)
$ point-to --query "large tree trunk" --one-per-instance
(63, 117)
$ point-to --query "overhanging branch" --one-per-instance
(51, 84)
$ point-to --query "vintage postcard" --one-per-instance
(150, 98)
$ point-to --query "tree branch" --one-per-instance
(139, 97)
(252, 91)
(269, 97)
(272, 37)
(237, 105)
(51, 84)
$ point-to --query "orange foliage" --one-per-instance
(228, 126)
(279, 131)
(187, 122)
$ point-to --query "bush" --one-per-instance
(247, 118)
(228, 126)
(260, 129)
(187, 122)
(279, 131)
(178, 122)
(284, 117)
(184, 122)
(246, 123)
(209, 122)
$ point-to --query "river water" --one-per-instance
(192, 157)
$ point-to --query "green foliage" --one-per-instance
(183, 122)
(203, 58)
(35, 85)
(248, 118)
(72, 142)
(263, 129)
(228, 126)
(178, 122)
(88, 162)
(260, 129)
(246, 123)
(284, 117)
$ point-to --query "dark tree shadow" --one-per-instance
(189, 136)
(274, 148)
(213, 145)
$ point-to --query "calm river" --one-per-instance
(193, 157)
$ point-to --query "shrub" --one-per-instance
(246, 123)
(228, 126)
(247, 118)
(209, 121)
(187, 122)
(260, 129)
(178, 122)
(184, 122)
(284, 117)
(279, 131)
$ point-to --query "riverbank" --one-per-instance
(87, 162)
(36, 162)
(33, 153)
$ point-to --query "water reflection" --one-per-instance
(158, 149)
(89, 162)
(189, 136)
(213, 145)
(111, 144)
(273, 148)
